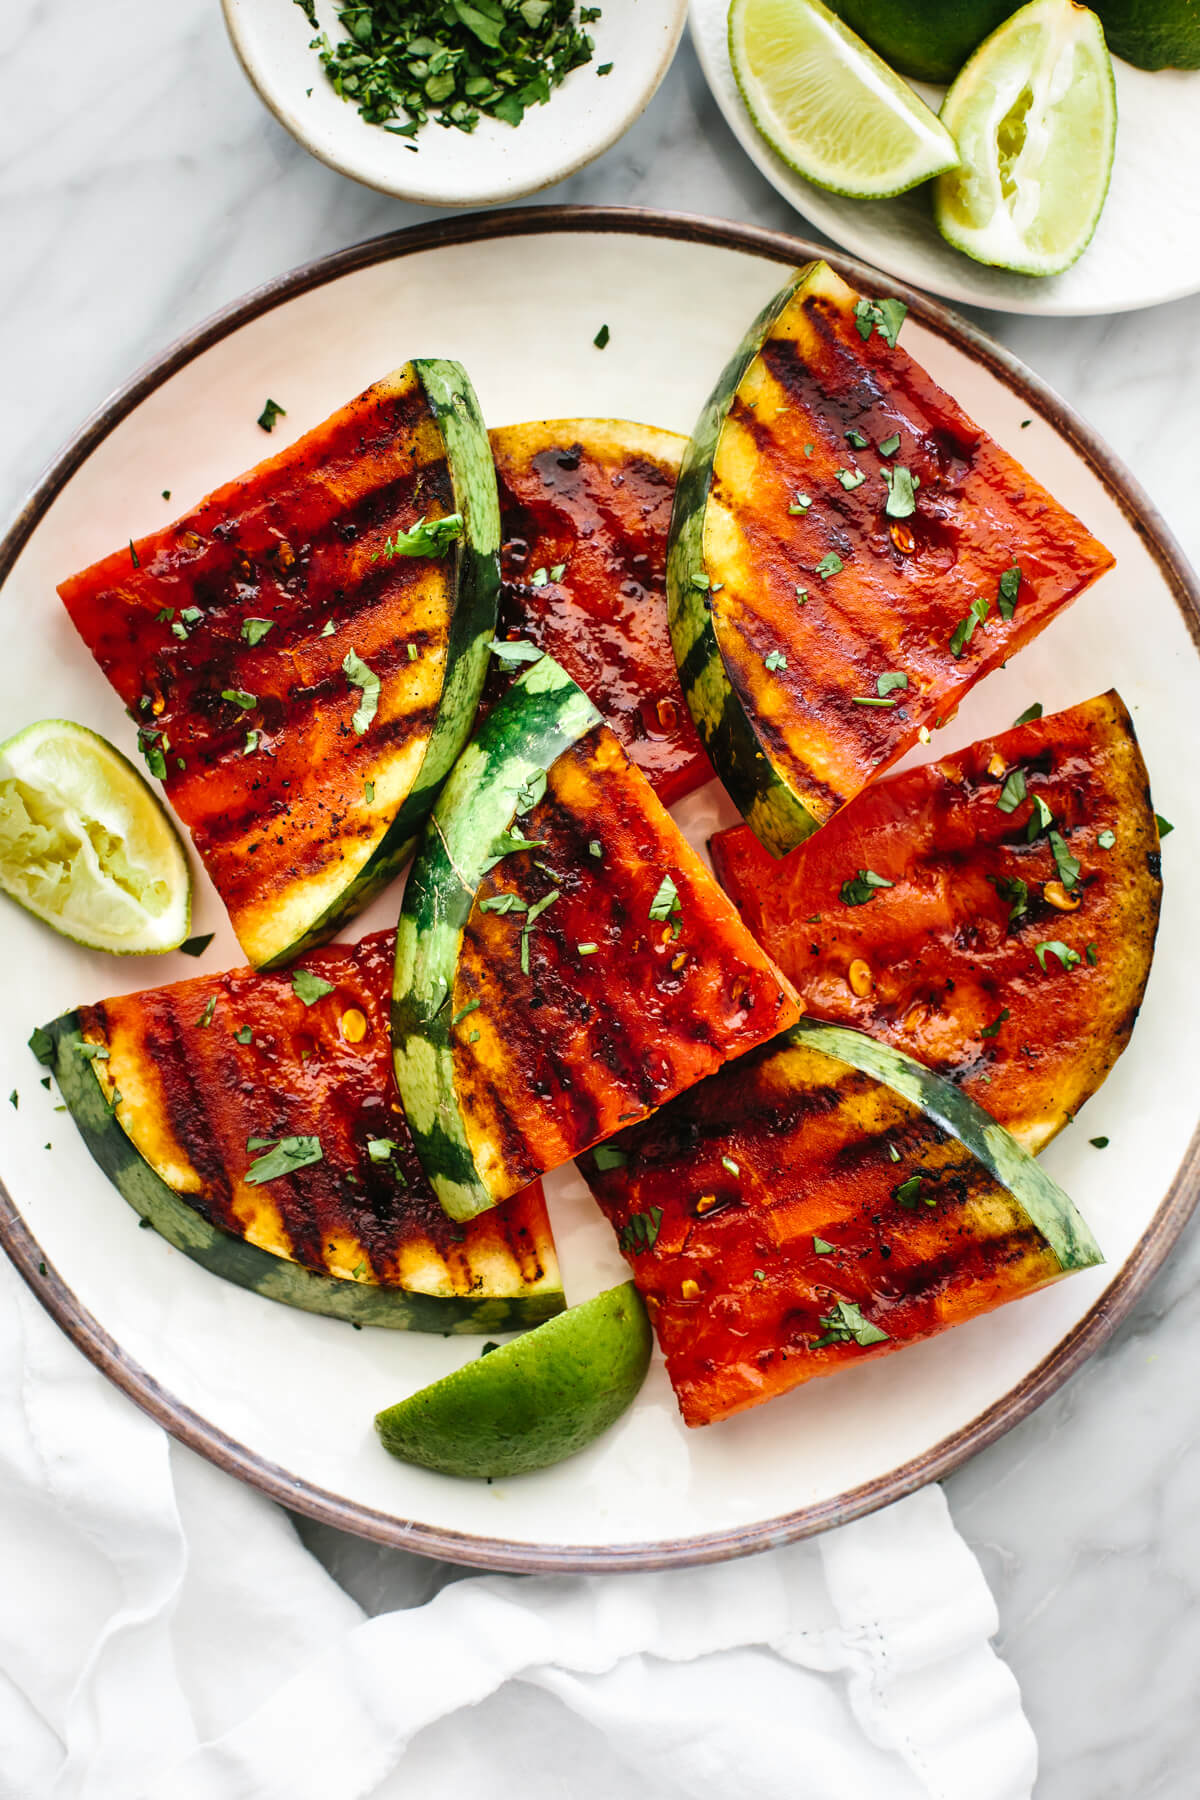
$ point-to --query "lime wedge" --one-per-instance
(828, 105)
(1034, 113)
(86, 847)
(533, 1401)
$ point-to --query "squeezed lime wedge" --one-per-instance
(530, 1402)
(828, 105)
(86, 847)
(1034, 113)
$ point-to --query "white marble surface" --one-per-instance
(142, 186)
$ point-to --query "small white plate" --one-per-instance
(493, 163)
(1147, 245)
(285, 1399)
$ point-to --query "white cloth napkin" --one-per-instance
(164, 1635)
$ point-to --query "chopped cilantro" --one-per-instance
(910, 1192)
(849, 478)
(309, 987)
(1015, 891)
(532, 791)
(1010, 587)
(640, 1231)
(329, 627)
(602, 338)
(133, 555)
(255, 630)
(503, 903)
(1165, 827)
(884, 316)
(534, 913)
(156, 762)
(369, 792)
(890, 445)
(891, 678)
(252, 742)
(360, 676)
(380, 1149)
(1100, 1143)
(1052, 947)
(1064, 862)
(558, 571)
(1013, 791)
(607, 1156)
(732, 1167)
(666, 900)
(1030, 713)
(800, 503)
(288, 1155)
(196, 946)
(830, 564)
(211, 1007)
(846, 1324)
(509, 842)
(901, 487)
(539, 578)
(822, 1247)
(861, 888)
(244, 1034)
(801, 596)
(595, 847)
(240, 698)
(428, 537)
(856, 440)
(1106, 839)
(992, 1030)
(1039, 818)
(775, 660)
(1092, 954)
(267, 417)
(964, 631)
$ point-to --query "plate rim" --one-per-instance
(1088, 1334)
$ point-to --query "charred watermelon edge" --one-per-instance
(273, 1277)
(474, 576)
(542, 714)
(1049, 1209)
(773, 812)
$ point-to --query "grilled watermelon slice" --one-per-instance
(254, 1121)
(818, 1202)
(585, 505)
(824, 608)
(943, 962)
(564, 961)
(302, 678)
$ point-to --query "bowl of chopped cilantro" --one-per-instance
(455, 102)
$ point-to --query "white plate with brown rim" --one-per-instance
(284, 1399)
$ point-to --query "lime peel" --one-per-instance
(85, 845)
(829, 106)
(1034, 113)
(532, 1401)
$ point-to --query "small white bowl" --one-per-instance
(495, 162)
